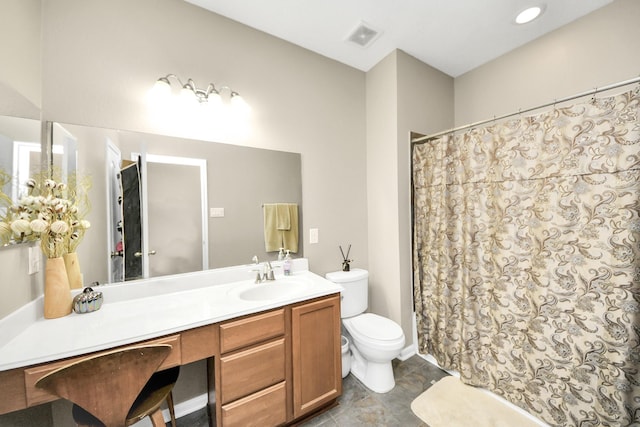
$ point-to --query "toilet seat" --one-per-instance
(375, 330)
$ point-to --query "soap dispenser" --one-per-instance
(287, 264)
(281, 254)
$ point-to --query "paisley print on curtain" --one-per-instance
(527, 259)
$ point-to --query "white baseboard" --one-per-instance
(407, 352)
(187, 407)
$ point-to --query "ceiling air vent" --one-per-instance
(363, 35)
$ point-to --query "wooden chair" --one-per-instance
(116, 389)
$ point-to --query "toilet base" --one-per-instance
(377, 377)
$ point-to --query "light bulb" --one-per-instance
(160, 92)
(528, 15)
(238, 104)
(215, 101)
(188, 96)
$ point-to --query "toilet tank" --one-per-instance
(355, 284)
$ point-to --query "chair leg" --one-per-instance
(157, 420)
(171, 410)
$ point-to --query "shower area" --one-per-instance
(526, 257)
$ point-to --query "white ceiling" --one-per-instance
(453, 36)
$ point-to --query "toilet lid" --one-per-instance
(377, 327)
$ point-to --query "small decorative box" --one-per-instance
(87, 301)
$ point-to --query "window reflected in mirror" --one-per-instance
(20, 158)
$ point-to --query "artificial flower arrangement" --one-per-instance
(52, 212)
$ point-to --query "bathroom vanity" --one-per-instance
(272, 348)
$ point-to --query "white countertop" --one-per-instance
(144, 309)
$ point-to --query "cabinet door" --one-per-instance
(317, 359)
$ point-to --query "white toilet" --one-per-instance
(375, 340)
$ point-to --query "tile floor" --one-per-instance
(360, 407)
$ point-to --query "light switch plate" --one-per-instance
(313, 235)
(34, 260)
(216, 212)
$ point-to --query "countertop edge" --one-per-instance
(123, 333)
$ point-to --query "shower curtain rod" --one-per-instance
(423, 139)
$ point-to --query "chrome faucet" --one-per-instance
(268, 271)
(264, 272)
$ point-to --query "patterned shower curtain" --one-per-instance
(527, 259)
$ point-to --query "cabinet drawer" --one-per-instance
(265, 408)
(241, 333)
(251, 370)
(36, 396)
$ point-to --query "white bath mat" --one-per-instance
(450, 403)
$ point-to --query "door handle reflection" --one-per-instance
(139, 254)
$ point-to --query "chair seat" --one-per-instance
(155, 391)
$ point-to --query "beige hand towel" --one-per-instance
(290, 237)
(272, 236)
(275, 237)
(283, 218)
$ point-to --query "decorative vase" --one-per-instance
(57, 294)
(72, 265)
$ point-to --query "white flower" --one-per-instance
(49, 183)
(60, 207)
(21, 226)
(59, 227)
(39, 225)
(84, 224)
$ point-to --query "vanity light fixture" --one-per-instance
(529, 14)
(191, 94)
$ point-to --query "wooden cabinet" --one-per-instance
(280, 366)
(316, 354)
(251, 371)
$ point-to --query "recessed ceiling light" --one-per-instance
(528, 14)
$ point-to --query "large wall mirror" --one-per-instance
(201, 203)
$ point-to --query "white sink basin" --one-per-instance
(280, 288)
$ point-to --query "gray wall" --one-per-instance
(20, 73)
(403, 95)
